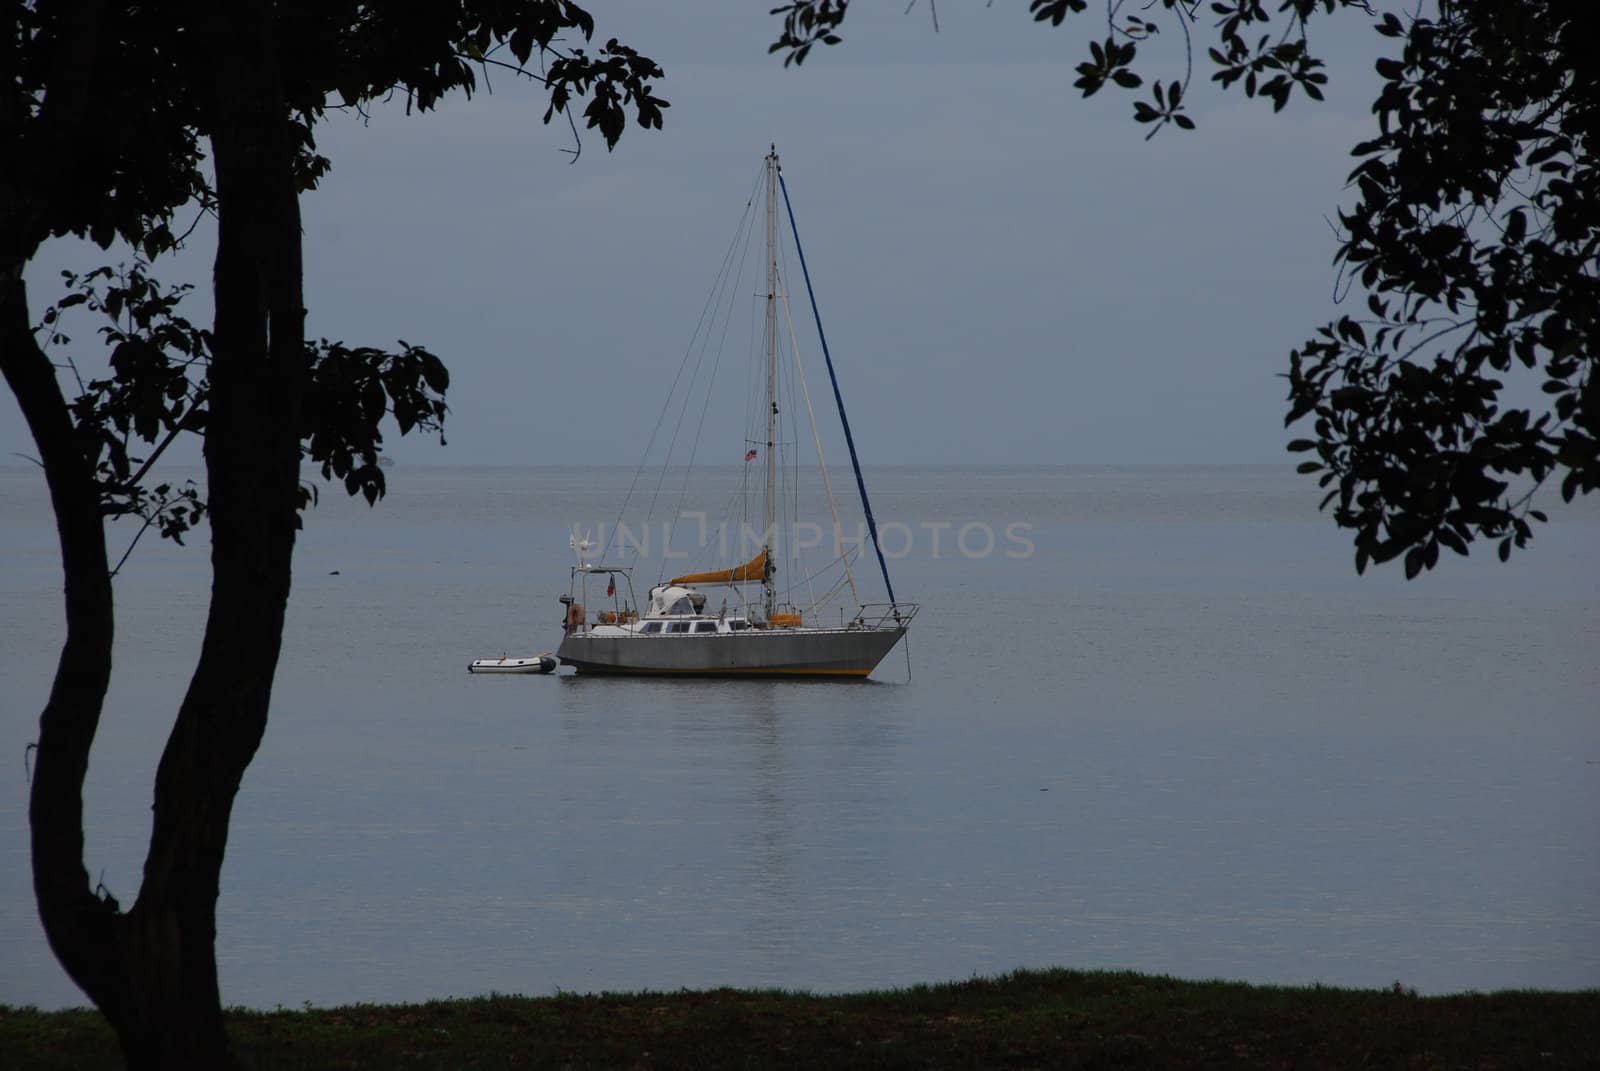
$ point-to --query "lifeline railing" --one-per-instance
(884, 614)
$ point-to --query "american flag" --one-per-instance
(750, 455)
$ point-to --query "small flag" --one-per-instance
(611, 587)
(750, 456)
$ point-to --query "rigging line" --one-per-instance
(788, 516)
(725, 283)
(711, 557)
(792, 394)
(822, 464)
(722, 345)
(796, 372)
(817, 604)
(745, 220)
(749, 474)
(750, 402)
(755, 382)
(725, 286)
(831, 592)
(666, 461)
(749, 426)
(791, 467)
(794, 455)
(855, 462)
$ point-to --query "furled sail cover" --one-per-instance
(754, 570)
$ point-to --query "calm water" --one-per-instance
(1180, 736)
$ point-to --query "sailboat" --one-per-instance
(674, 630)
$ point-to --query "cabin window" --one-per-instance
(705, 626)
(651, 626)
(738, 625)
(677, 626)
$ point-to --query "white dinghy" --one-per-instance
(534, 664)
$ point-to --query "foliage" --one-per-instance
(139, 173)
(100, 142)
(351, 390)
(135, 172)
(1268, 52)
(1475, 243)
(149, 398)
(1475, 237)
(364, 52)
(136, 156)
(1052, 1018)
(158, 389)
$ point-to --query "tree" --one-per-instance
(1474, 240)
(1271, 65)
(1476, 236)
(106, 113)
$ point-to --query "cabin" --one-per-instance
(679, 611)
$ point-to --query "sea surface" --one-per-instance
(1153, 720)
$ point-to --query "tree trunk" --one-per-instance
(252, 454)
(152, 971)
(80, 924)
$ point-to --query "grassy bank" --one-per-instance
(1029, 1019)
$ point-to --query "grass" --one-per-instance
(1042, 1019)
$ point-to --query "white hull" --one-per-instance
(801, 652)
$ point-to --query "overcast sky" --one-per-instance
(1008, 273)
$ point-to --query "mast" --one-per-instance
(772, 375)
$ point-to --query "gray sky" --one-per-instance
(1008, 273)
